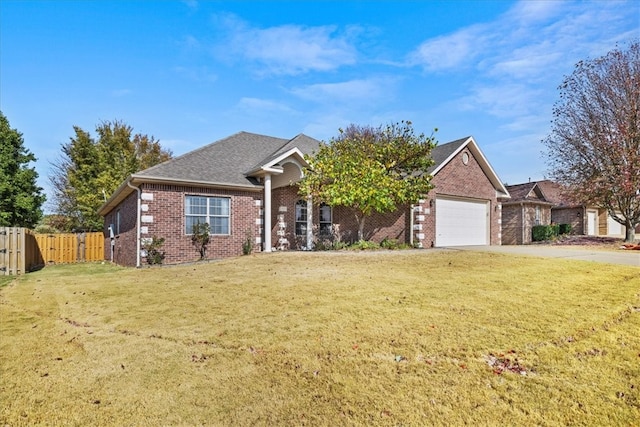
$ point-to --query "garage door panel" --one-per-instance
(461, 222)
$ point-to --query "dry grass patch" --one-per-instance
(384, 338)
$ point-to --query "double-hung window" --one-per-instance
(213, 210)
(325, 219)
(301, 218)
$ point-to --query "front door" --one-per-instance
(592, 223)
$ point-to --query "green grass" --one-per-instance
(335, 338)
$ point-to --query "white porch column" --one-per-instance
(267, 213)
(309, 223)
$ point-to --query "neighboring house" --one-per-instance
(526, 208)
(584, 219)
(244, 186)
(546, 202)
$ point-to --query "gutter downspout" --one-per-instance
(137, 224)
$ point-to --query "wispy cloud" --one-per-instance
(353, 91)
(449, 52)
(119, 93)
(197, 74)
(523, 53)
(191, 4)
(286, 49)
(256, 105)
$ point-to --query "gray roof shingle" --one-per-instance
(226, 161)
(442, 152)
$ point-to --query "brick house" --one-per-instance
(545, 202)
(584, 219)
(244, 186)
(527, 207)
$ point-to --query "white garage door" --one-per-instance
(614, 228)
(461, 222)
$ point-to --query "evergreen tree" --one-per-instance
(20, 197)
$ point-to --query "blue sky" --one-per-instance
(192, 72)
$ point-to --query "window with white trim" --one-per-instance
(538, 218)
(301, 218)
(326, 219)
(216, 211)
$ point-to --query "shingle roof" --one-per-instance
(442, 152)
(521, 191)
(556, 193)
(228, 160)
(527, 192)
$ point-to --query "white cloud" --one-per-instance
(286, 49)
(197, 74)
(191, 4)
(451, 51)
(256, 105)
(353, 91)
(519, 59)
(119, 93)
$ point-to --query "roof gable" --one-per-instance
(529, 191)
(443, 154)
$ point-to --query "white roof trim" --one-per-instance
(273, 165)
(280, 158)
(482, 160)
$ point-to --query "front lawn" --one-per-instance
(336, 338)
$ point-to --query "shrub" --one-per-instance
(200, 238)
(541, 233)
(328, 240)
(364, 245)
(564, 228)
(154, 255)
(247, 245)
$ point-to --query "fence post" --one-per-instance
(81, 246)
(4, 252)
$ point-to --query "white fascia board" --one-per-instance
(482, 160)
(486, 167)
(294, 152)
(270, 167)
(451, 156)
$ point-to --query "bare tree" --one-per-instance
(594, 144)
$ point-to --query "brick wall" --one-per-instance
(393, 225)
(124, 250)
(377, 227)
(458, 179)
(516, 229)
(573, 216)
(165, 217)
(512, 224)
(283, 222)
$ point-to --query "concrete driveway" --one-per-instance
(545, 251)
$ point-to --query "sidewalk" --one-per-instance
(580, 253)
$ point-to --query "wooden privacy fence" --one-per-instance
(22, 250)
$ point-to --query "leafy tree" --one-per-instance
(90, 170)
(370, 170)
(20, 197)
(594, 143)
